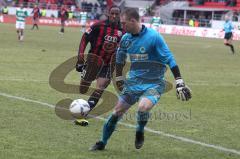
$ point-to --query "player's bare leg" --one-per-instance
(21, 34)
(229, 43)
(33, 24)
(35, 21)
(62, 27)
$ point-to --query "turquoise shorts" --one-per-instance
(153, 92)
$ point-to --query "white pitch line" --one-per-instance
(26, 100)
(184, 139)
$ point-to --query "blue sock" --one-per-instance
(142, 119)
(109, 127)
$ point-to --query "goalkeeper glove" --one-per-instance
(183, 92)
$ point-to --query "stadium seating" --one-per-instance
(228, 4)
(49, 4)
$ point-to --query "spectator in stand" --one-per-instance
(60, 2)
(95, 7)
(196, 23)
(191, 22)
(5, 10)
(73, 8)
(9, 2)
(199, 2)
(1, 10)
(48, 5)
(235, 16)
(90, 7)
(43, 12)
(231, 3)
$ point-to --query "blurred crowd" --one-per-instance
(94, 9)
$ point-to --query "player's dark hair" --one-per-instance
(131, 13)
(114, 6)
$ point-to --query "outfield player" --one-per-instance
(21, 14)
(104, 37)
(36, 16)
(63, 14)
(156, 22)
(149, 55)
(228, 28)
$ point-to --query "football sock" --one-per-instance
(142, 119)
(94, 98)
(109, 127)
(231, 46)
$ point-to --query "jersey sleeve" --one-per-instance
(88, 36)
(164, 54)
(92, 31)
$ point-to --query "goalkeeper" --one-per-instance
(149, 55)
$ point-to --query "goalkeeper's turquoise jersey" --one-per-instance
(228, 26)
(148, 54)
(21, 14)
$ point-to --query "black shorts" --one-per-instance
(92, 72)
(228, 36)
(35, 18)
(105, 72)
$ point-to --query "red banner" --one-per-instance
(47, 21)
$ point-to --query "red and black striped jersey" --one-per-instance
(104, 38)
(63, 13)
(36, 12)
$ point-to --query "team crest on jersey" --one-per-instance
(142, 49)
(125, 44)
(119, 33)
(89, 30)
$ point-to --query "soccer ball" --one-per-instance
(79, 107)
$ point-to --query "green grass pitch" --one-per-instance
(31, 130)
